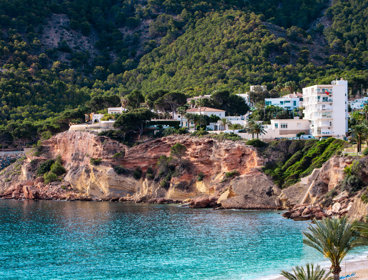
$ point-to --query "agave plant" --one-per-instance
(309, 273)
(334, 238)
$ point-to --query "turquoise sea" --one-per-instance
(102, 240)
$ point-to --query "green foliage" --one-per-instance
(365, 151)
(50, 177)
(364, 197)
(256, 143)
(57, 168)
(200, 177)
(199, 133)
(309, 273)
(232, 174)
(134, 121)
(95, 161)
(137, 174)
(333, 238)
(119, 155)
(162, 48)
(45, 167)
(304, 158)
(178, 150)
(226, 136)
(120, 170)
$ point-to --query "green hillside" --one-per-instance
(56, 55)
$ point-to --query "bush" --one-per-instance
(119, 155)
(232, 174)
(365, 151)
(200, 132)
(120, 170)
(364, 197)
(150, 173)
(226, 136)
(256, 143)
(57, 168)
(45, 167)
(50, 177)
(200, 177)
(137, 174)
(95, 161)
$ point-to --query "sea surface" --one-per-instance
(103, 240)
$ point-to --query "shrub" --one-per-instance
(137, 174)
(200, 177)
(45, 167)
(232, 174)
(177, 150)
(200, 132)
(57, 168)
(226, 136)
(120, 170)
(256, 143)
(365, 151)
(150, 173)
(364, 197)
(95, 161)
(119, 155)
(50, 177)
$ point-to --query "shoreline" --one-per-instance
(358, 265)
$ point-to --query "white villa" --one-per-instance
(287, 102)
(358, 104)
(326, 107)
(115, 110)
(280, 128)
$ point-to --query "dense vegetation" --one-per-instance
(290, 161)
(56, 55)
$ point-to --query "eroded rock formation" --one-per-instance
(230, 172)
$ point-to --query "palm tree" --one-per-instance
(259, 129)
(362, 229)
(359, 132)
(334, 238)
(311, 273)
(224, 122)
(250, 127)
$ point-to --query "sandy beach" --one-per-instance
(360, 267)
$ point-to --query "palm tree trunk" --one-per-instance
(359, 143)
(336, 272)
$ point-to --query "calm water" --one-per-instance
(91, 240)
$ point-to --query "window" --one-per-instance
(294, 103)
(282, 102)
(268, 103)
(284, 125)
(276, 125)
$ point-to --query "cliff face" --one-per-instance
(210, 173)
(321, 195)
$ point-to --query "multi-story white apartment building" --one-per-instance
(326, 107)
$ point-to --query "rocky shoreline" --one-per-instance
(211, 174)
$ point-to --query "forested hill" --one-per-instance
(57, 54)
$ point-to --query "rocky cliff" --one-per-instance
(210, 173)
(327, 192)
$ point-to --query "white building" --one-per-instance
(358, 104)
(326, 107)
(206, 111)
(96, 118)
(115, 110)
(287, 102)
(258, 87)
(286, 128)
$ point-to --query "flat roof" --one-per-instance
(204, 109)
